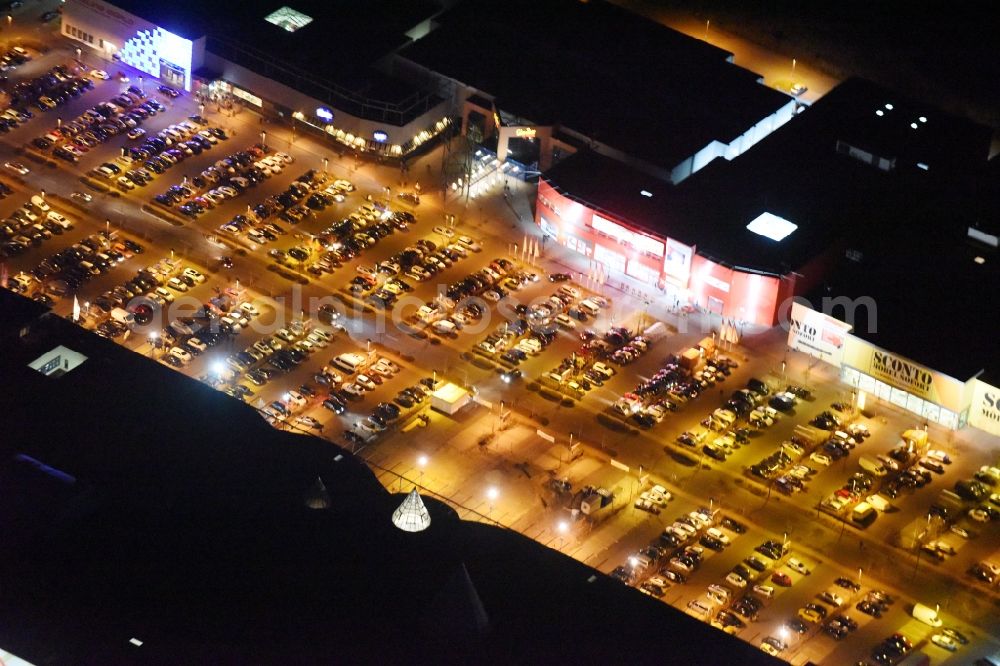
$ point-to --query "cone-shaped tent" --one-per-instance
(317, 497)
(412, 515)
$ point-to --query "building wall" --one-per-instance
(883, 375)
(107, 30)
(277, 97)
(659, 261)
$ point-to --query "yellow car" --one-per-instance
(809, 615)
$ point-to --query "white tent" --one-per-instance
(412, 515)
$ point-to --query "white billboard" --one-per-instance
(817, 334)
(984, 413)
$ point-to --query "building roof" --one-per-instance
(138, 503)
(795, 173)
(930, 297)
(18, 311)
(336, 49)
(611, 75)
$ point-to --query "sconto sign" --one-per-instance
(985, 410)
(903, 374)
(816, 334)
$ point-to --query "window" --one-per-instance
(613, 260)
(642, 272)
(578, 245)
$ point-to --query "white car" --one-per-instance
(194, 275)
(295, 399)
(797, 565)
(662, 492)
(182, 354)
(353, 389)
(365, 381)
(716, 533)
(285, 157)
(345, 185)
(766, 591)
(99, 74)
(470, 244)
(736, 580)
(17, 167)
(177, 285)
(308, 422)
(444, 231)
(945, 641)
(196, 344)
(565, 321)
(820, 458)
(164, 294)
(316, 341)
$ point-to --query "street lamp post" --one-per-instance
(152, 343)
(263, 139)
(492, 494)
(326, 164)
(201, 109)
(562, 528)
(421, 463)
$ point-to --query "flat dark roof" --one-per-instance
(600, 70)
(794, 173)
(176, 516)
(338, 47)
(918, 266)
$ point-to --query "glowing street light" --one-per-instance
(562, 528)
(421, 463)
(492, 494)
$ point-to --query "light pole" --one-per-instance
(79, 54)
(421, 463)
(58, 123)
(859, 577)
(492, 494)
(107, 228)
(141, 89)
(152, 343)
(326, 164)
(562, 528)
(201, 109)
(263, 139)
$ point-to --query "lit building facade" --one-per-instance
(877, 374)
(222, 71)
(618, 248)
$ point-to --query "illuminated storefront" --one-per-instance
(660, 262)
(121, 36)
(932, 396)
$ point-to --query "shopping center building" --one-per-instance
(306, 65)
(740, 237)
(905, 314)
(537, 81)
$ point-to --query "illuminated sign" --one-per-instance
(248, 97)
(640, 242)
(816, 334)
(906, 375)
(985, 410)
(160, 53)
(525, 132)
(894, 370)
(324, 113)
(715, 282)
(380, 136)
(677, 262)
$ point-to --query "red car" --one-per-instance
(781, 578)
